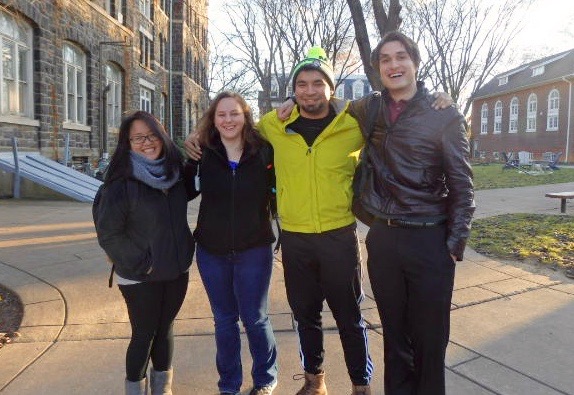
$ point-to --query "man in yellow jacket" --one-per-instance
(316, 152)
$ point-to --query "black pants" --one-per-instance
(412, 277)
(152, 308)
(327, 266)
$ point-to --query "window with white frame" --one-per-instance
(531, 109)
(145, 98)
(146, 49)
(484, 119)
(74, 84)
(553, 108)
(503, 80)
(16, 66)
(114, 80)
(162, 108)
(187, 125)
(274, 87)
(340, 91)
(114, 8)
(358, 89)
(538, 71)
(498, 117)
(145, 8)
(513, 116)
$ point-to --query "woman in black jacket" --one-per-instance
(234, 238)
(141, 223)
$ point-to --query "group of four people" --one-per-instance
(420, 195)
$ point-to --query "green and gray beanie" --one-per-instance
(316, 60)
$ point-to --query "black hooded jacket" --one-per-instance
(142, 228)
(234, 210)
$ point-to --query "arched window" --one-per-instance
(484, 119)
(74, 83)
(513, 116)
(358, 89)
(340, 91)
(498, 117)
(553, 108)
(531, 110)
(114, 95)
(16, 66)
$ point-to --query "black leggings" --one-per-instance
(152, 308)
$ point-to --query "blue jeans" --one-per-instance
(238, 286)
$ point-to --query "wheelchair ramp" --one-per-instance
(52, 174)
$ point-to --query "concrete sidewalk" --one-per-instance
(512, 324)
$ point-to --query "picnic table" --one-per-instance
(562, 196)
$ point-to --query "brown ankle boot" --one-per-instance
(361, 390)
(314, 385)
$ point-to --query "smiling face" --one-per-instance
(144, 142)
(229, 119)
(313, 93)
(398, 71)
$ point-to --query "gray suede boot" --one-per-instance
(136, 387)
(160, 382)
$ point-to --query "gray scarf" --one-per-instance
(152, 172)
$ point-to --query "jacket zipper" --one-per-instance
(173, 235)
(233, 172)
(386, 119)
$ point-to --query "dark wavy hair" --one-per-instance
(208, 134)
(120, 163)
(410, 46)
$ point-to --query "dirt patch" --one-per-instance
(11, 313)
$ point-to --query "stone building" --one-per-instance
(72, 68)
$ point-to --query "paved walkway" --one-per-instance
(512, 325)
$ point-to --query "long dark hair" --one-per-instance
(120, 163)
(208, 134)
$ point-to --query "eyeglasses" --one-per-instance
(139, 140)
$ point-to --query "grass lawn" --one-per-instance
(548, 239)
(492, 176)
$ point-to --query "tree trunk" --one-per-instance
(386, 22)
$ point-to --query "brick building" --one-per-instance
(529, 108)
(71, 68)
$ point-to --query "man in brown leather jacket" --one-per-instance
(421, 194)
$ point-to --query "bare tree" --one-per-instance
(271, 36)
(228, 73)
(464, 41)
(386, 20)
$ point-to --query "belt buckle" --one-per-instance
(391, 223)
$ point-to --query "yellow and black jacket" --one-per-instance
(314, 182)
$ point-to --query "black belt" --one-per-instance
(401, 223)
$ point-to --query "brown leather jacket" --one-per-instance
(420, 165)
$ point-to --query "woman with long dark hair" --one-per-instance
(141, 223)
(234, 238)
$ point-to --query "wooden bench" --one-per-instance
(562, 196)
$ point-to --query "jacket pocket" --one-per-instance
(143, 267)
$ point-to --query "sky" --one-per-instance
(548, 29)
